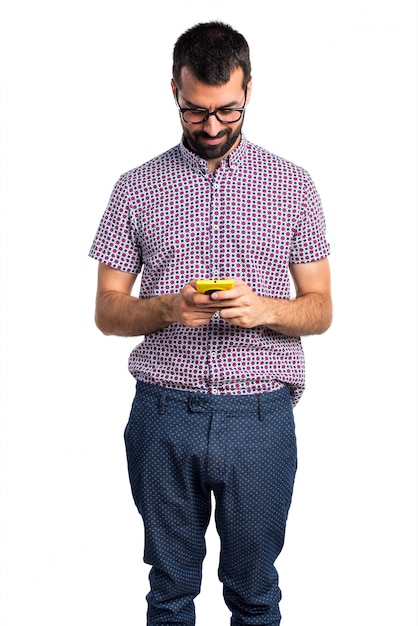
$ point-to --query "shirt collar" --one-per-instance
(233, 160)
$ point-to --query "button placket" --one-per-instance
(215, 270)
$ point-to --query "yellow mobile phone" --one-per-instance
(209, 286)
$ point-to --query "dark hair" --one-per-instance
(211, 51)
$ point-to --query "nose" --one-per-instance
(212, 126)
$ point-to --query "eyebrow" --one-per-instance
(192, 105)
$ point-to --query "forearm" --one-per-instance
(127, 316)
(310, 314)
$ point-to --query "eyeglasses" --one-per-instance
(225, 115)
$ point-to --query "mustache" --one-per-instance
(201, 134)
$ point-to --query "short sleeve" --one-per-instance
(116, 241)
(309, 241)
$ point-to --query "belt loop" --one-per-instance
(260, 408)
(191, 403)
(161, 402)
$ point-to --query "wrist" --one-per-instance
(269, 315)
(167, 308)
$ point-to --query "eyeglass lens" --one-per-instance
(196, 116)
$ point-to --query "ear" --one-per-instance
(249, 90)
(173, 88)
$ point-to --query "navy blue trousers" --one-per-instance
(182, 447)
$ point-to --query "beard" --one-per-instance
(206, 151)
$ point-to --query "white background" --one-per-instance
(85, 97)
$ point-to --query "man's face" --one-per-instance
(212, 139)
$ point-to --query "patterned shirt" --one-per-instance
(174, 221)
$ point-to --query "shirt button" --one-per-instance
(215, 392)
(213, 354)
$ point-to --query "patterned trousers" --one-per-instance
(182, 447)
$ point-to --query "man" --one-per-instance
(217, 374)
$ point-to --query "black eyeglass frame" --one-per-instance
(208, 113)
